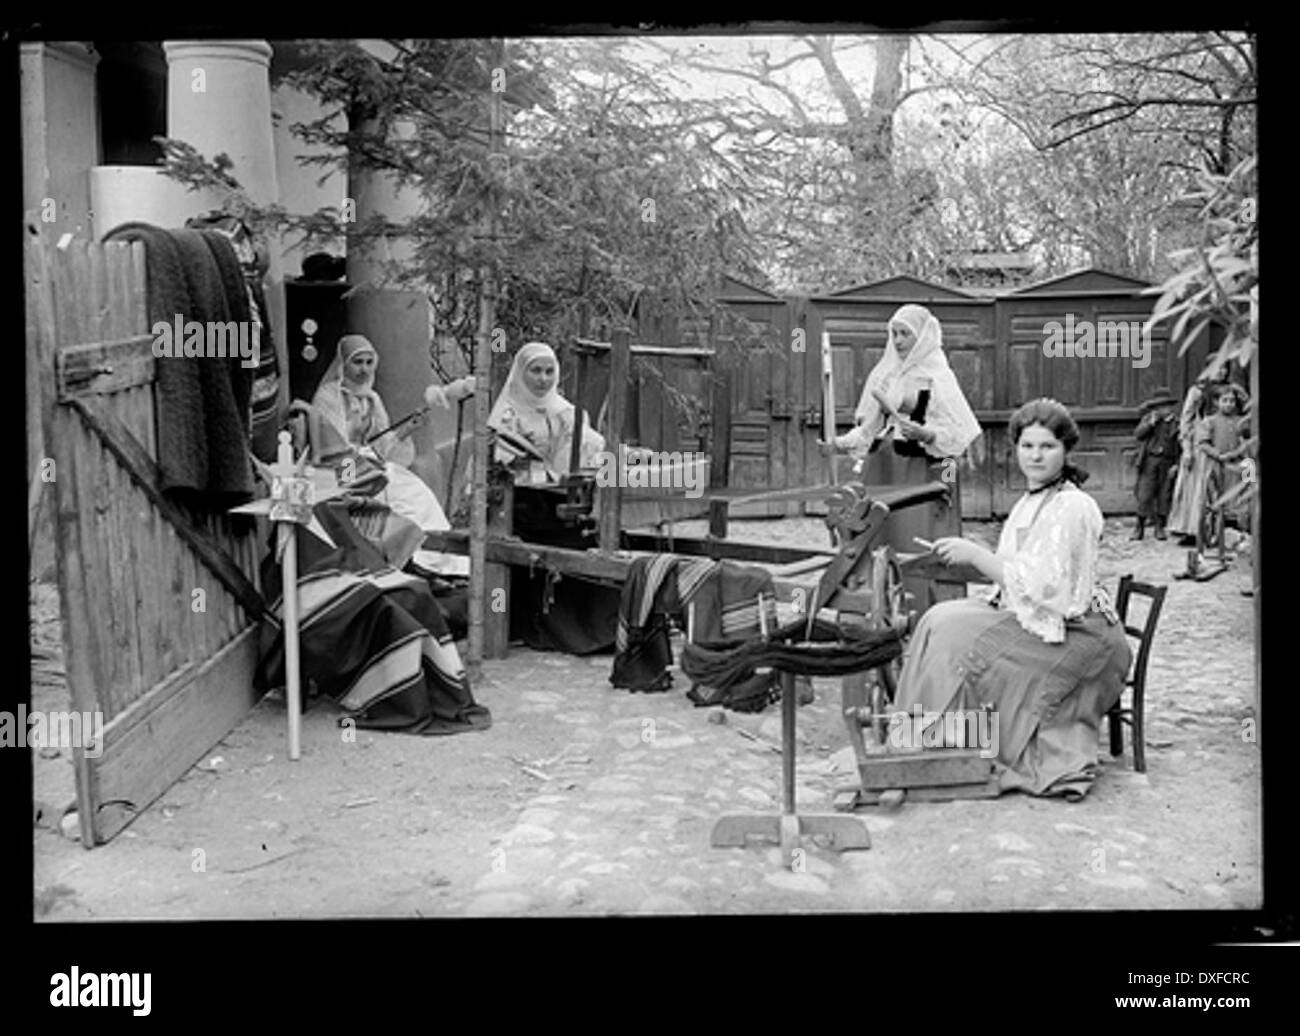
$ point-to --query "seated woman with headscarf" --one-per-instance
(1047, 653)
(567, 614)
(912, 418)
(347, 400)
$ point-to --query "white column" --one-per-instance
(396, 319)
(219, 101)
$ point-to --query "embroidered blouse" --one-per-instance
(552, 434)
(1049, 550)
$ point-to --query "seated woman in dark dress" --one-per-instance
(1047, 653)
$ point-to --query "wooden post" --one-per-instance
(718, 513)
(611, 497)
(478, 573)
(287, 547)
(496, 620)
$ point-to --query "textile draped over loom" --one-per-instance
(660, 590)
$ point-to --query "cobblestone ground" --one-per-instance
(586, 800)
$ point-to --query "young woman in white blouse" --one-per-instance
(1047, 651)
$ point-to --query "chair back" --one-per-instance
(1145, 634)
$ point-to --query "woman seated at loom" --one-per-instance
(1047, 652)
(549, 614)
(347, 400)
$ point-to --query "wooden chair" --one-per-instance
(1137, 679)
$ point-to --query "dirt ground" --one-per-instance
(583, 800)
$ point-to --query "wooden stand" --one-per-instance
(788, 827)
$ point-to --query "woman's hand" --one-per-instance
(912, 430)
(957, 550)
(827, 449)
(420, 419)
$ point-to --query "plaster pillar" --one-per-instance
(219, 100)
(395, 318)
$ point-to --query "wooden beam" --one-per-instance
(143, 471)
(105, 367)
(496, 581)
(732, 550)
(688, 353)
(610, 496)
(612, 569)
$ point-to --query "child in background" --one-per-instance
(1157, 461)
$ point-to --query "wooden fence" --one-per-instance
(158, 603)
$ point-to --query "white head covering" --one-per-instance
(545, 420)
(894, 375)
(517, 395)
(348, 347)
(355, 411)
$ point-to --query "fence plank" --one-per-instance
(152, 746)
(59, 431)
(105, 366)
(144, 472)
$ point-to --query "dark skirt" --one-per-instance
(1049, 698)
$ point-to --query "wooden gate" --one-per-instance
(158, 604)
(995, 346)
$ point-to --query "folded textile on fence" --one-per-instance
(659, 590)
(202, 402)
(372, 638)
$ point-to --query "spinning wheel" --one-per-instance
(887, 611)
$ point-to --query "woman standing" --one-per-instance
(1049, 655)
(913, 424)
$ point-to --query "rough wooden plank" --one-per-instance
(166, 591)
(144, 472)
(732, 550)
(59, 430)
(678, 352)
(496, 577)
(149, 747)
(106, 366)
(608, 497)
(933, 768)
(123, 572)
(987, 789)
(718, 512)
(191, 626)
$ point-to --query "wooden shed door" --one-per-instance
(158, 605)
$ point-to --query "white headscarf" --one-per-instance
(331, 397)
(518, 396)
(545, 420)
(948, 413)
